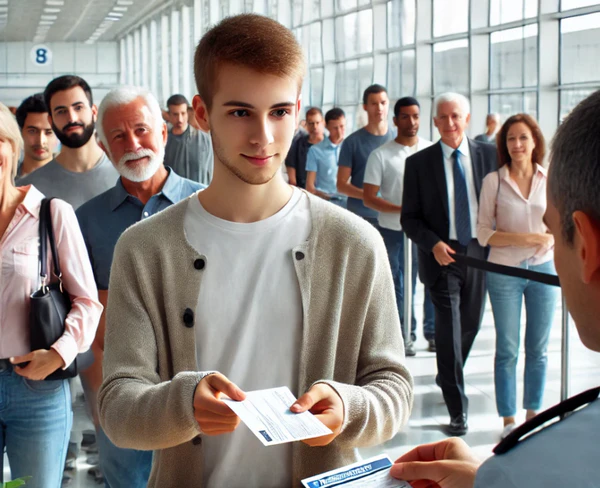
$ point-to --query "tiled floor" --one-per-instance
(429, 413)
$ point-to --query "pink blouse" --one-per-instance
(505, 209)
(19, 277)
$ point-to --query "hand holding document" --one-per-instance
(372, 473)
(267, 414)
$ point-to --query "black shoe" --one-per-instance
(458, 425)
(409, 349)
(438, 381)
(431, 347)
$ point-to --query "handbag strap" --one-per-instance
(46, 230)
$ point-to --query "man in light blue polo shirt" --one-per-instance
(322, 160)
(133, 135)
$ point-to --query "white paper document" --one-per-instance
(372, 473)
(267, 414)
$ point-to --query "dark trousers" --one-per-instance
(458, 297)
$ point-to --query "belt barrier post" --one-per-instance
(565, 366)
(407, 289)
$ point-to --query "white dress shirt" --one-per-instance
(465, 161)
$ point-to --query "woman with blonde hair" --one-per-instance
(511, 209)
(36, 415)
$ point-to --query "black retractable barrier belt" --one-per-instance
(547, 279)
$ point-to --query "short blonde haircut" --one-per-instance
(248, 40)
(9, 130)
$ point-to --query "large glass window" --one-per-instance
(401, 74)
(365, 31)
(316, 54)
(508, 104)
(580, 41)
(401, 18)
(346, 86)
(316, 87)
(450, 17)
(571, 4)
(503, 11)
(570, 98)
(513, 57)
(451, 66)
(346, 33)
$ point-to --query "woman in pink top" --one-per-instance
(511, 209)
(35, 415)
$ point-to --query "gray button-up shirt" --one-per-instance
(104, 218)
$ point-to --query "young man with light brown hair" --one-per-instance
(252, 284)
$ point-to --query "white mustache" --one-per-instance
(132, 156)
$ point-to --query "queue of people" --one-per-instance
(198, 251)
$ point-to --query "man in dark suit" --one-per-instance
(439, 213)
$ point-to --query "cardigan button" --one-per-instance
(199, 263)
(188, 317)
(299, 256)
(197, 440)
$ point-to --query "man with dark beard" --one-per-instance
(81, 170)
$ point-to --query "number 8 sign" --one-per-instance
(41, 55)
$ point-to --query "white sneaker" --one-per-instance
(507, 430)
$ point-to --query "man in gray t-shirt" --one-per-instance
(81, 170)
(54, 180)
(189, 151)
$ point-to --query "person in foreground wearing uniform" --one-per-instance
(564, 453)
(252, 284)
(133, 135)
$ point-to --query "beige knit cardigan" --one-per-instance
(351, 340)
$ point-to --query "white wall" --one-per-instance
(21, 77)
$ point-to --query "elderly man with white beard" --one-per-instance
(133, 135)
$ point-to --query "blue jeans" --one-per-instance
(35, 423)
(506, 296)
(126, 468)
(394, 243)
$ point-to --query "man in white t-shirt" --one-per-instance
(385, 174)
(250, 284)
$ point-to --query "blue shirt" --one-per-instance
(104, 218)
(356, 149)
(323, 159)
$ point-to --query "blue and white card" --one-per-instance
(372, 473)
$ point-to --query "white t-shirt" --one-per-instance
(249, 327)
(385, 169)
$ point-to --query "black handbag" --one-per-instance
(50, 304)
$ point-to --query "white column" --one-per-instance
(144, 78)
(122, 61)
(130, 65)
(165, 65)
(548, 68)
(175, 53)
(197, 21)
(153, 58)
(137, 58)
(187, 56)
(479, 49)
(423, 64)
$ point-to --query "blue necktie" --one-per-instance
(462, 214)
